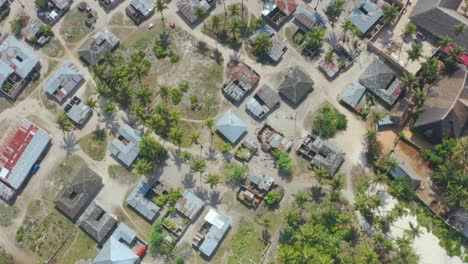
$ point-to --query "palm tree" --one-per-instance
(194, 137)
(198, 165)
(199, 12)
(209, 123)
(143, 166)
(212, 179)
(63, 122)
(176, 135)
(92, 103)
(321, 173)
(371, 134)
(174, 116)
(410, 30)
(391, 13)
(455, 53)
(234, 9)
(458, 29)
(420, 96)
(430, 69)
(413, 231)
(262, 44)
(164, 92)
(314, 39)
(287, 254)
(234, 27)
(215, 24)
(408, 81)
(443, 42)
(124, 92)
(337, 182)
(144, 94)
(415, 52)
(104, 91)
(346, 25)
(160, 6)
(300, 199)
(329, 57)
(109, 109)
(376, 116)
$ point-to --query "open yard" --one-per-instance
(95, 144)
(79, 246)
(122, 175)
(53, 48)
(74, 28)
(63, 174)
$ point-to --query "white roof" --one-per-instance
(215, 219)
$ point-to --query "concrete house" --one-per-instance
(321, 153)
(97, 223)
(366, 16)
(241, 80)
(209, 236)
(263, 102)
(100, 43)
(126, 146)
(140, 201)
(231, 127)
(64, 81)
(140, 10)
(295, 86)
(78, 111)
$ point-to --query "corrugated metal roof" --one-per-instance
(220, 226)
(16, 58)
(231, 126)
(64, 81)
(187, 8)
(365, 16)
(309, 18)
(115, 251)
(402, 170)
(79, 112)
(353, 94)
(145, 7)
(189, 205)
(127, 149)
(141, 204)
(100, 43)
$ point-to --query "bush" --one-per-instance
(272, 198)
(160, 50)
(176, 96)
(183, 87)
(174, 57)
(236, 174)
(284, 162)
(16, 26)
(402, 189)
(329, 122)
(161, 200)
(180, 260)
(19, 234)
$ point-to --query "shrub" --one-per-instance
(176, 96)
(161, 200)
(284, 162)
(236, 174)
(183, 87)
(329, 121)
(174, 57)
(226, 148)
(16, 25)
(160, 50)
(272, 198)
(19, 234)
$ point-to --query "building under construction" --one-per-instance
(22, 146)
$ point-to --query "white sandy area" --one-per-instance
(426, 245)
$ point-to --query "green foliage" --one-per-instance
(16, 26)
(41, 3)
(169, 224)
(46, 30)
(156, 236)
(226, 148)
(183, 87)
(180, 260)
(19, 234)
(173, 196)
(212, 180)
(284, 161)
(109, 109)
(272, 198)
(5, 258)
(262, 44)
(161, 200)
(160, 50)
(63, 122)
(402, 189)
(314, 39)
(236, 174)
(176, 96)
(143, 166)
(329, 121)
(174, 57)
(151, 150)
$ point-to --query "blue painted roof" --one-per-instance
(220, 225)
(127, 148)
(365, 17)
(141, 204)
(231, 126)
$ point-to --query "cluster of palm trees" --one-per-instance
(231, 28)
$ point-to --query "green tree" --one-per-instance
(16, 25)
(300, 199)
(176, 135)
(209, 123)
(415, 52)
(164, 92)
(390, 13)
(213, 180)
(215, 24)
(410, 30)
(46, 30)
(156, 237)
(371, 134)
(226, 148)
(272, 198)
(92, 103)
(160, 6)
(63, 122)
(143, 166)
(430, 69)
(408, 81)
(443, 42)
(236, 174)
(376, 116)
(458, 29)
(346, 26)
(144, 95)
(329, 56)
(109, 109)
(194, 137)
(314, 39)
(284, 161)
(200, 12)
(40, 4)
(321, 173)
(151, 149)
(234, 10)
(287, 255)
(262, 44)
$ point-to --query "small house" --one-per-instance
(403, 170)
(126, 146)
(241, 80)
(33, 32)
(100, 43)
(187, 9)
(140, 200)
(263, 102)
(295, 86)
(259, 185)
(276, 14)
(189, 205)
(64, 81)
(231, 127)
(366, 16)
(306, 18)
(78, 111)
(352, 96)
(279, 46)
(123, 246)
(108, 5)
(272, 139)
(247, 149)
(140, 10)
(97, 223)
(212, 232)
(321, 153)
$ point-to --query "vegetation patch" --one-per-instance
(95, 144)
(329, 121)
(247, 245)
(80, 246)
(5, 258)
(7, 214)
(121, 174)
(74, 28)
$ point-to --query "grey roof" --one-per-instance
(20, 148)
(445, 110)
(74, 198)
(189, 205)
(97, 222)
(365, 16)
(187, 8)
(2, 2)
(402, 170)
(308, 18)
(126, 146)
(17, 58)
(61, 4)
(438, 17)
(116, 250)
(296, 85)
(256, 108)
(138, 201)
(321, 152)
(381, 80)
(32, 28)
(145, 7)
(353, 94)
(268, 96)
(79, 112)
(64, 81)
(100, 43)
(263, 181)
(231, 126)
(220, 224)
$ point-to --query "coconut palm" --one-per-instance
(143, 94)
(376, 116)
(415, 52)
(329, 56)
(104, 91)
(215, 24)
(160, 6)
(199, 12)
(287, 255)
(176, 135)
(92, 103)
(458, 29)
(420, 95)
(443, 42)
(413, 231)
(410, 30)
(321, 173)
(314, 39)
(209, 123)
(300, 199)
(234, 27)
(194, 137)
(213, 180)
(408, 81)
(63, 122)
(371, 134)
(234, 10)
(164, 91)
(262, 44)
(346, 25)
(430, 69)
(454, 55)
(198, 165)
(109, 109)
(143, 166)
(390, 13)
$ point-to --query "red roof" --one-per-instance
(287, 6)
(463, 58)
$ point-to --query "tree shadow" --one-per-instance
(202, 47)
(317, 193)
(215, 198)
(70, 143)
(110, 123)
(211, 154)
(156, 173)
(188, 181)
(217, 56)
(201, 192)
(178, 161)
